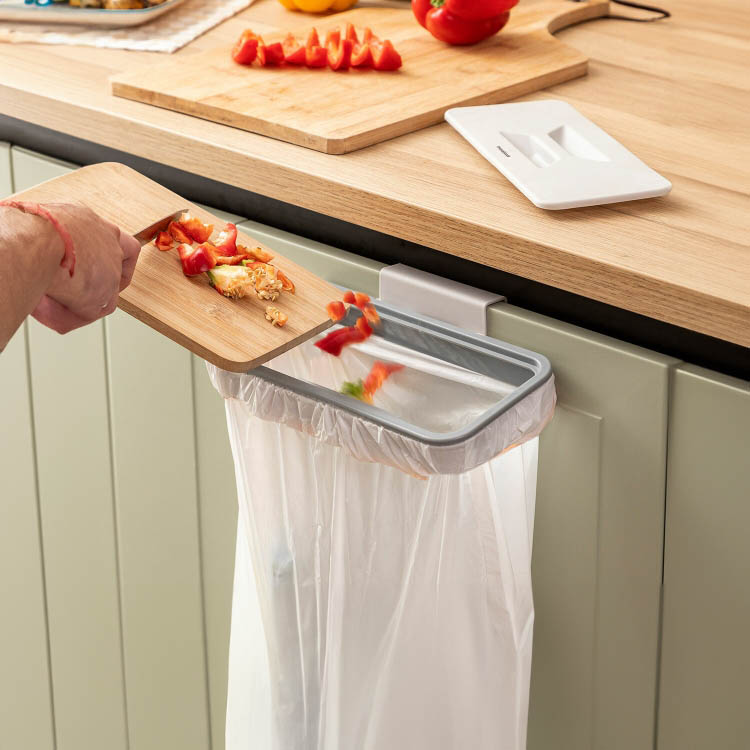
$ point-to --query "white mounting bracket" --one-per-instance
(426, 294)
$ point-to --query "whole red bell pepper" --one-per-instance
(197, 260)
(462, 21)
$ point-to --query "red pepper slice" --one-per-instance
(179, 234)
(164, 241)
(195, 229)
(336, 310)
(368, 37)
(361, 299)
(294, 52)
(246, 48)
(335, 342)
(270, 54)
(351, 34)
(384, 56)
(362, 56)
(364, 327)
(371, 315)
(349, 298)
(230, 260)
(256, 253)
(340, 57)
(378, 375)
(197, 260)
(333, 38)
(315, 55)
(228, 246)
(286, 283)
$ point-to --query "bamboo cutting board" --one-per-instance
(344, 111)
(232, 334)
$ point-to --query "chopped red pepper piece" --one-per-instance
(256, 253)
(286, 283)
(230, 260)
(294, 52)
(197, 260)
(349, 298)
(371, 315)
(195, 229)
(364, 390)
(336, 310)
(313, 40)
(226, 243)
(385, 57)
(333, 38)
(368, 37)
(164, 241)
(361, 299)
(179, 234)
(340, 57)
(378, 375)
(364, 327)
(351, 34)
(361, 56)
(270, 54)
(246, 48)
(335, 341)
(315, 55)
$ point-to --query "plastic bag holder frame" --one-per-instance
(524, 369)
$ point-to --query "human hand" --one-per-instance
(105, 261)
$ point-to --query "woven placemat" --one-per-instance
(164, 34)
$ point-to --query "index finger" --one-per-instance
(131, 248)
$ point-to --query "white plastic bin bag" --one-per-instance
(380, 602)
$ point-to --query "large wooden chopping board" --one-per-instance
(344, 111)
(232, 334)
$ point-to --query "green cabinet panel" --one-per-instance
(151, 402)
(71, 430)
(597, 561)
(26, 719)
(6, 173)
(704, 696)
(30, 168)
(218, 516)
(24, 657)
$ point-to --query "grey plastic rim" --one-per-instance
(525, 369)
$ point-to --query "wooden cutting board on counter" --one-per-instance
(232, 334)
(345, 111)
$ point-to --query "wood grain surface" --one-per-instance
(673, 92)
(232, 334)
(341, 112)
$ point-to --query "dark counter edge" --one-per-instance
(672, 340)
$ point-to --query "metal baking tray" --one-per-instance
(62, 13)
(522, 369)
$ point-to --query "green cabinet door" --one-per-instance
(117, 522)
(597, 561)
(704, 699)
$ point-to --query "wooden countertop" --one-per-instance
(675, 92)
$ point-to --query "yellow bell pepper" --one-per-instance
(318, 6)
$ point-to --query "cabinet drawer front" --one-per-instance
(705, 652)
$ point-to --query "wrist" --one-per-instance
(53, 225)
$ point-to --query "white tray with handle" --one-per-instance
(63, 13)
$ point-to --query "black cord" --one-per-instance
(662, 14)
